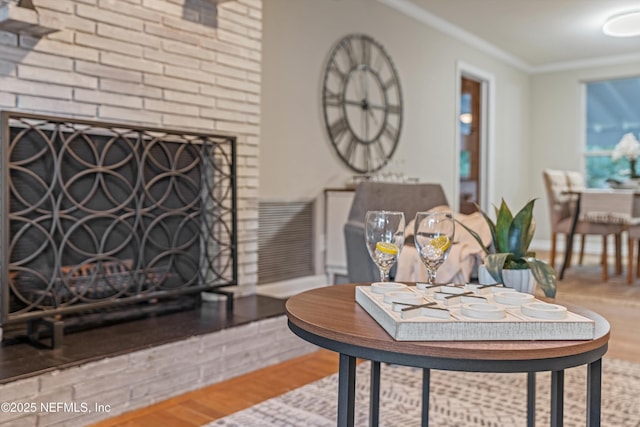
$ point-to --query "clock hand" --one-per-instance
(366, 85)
(377, 106)
(366, 123)
(363, 84)
(358, 87)
(350, 102)
(373, 116)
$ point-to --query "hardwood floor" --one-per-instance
(207, 404)
(201, 406)
(615, 300)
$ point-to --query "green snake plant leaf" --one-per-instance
(494, 263)
(476, 236)
(492, 227)
(544, 274)
(503, 224)
(521, 230)
(511, 237)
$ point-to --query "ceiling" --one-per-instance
(539, 35)
(549, 35)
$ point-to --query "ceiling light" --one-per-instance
(625, 25)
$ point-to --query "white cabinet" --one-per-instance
(337, 206)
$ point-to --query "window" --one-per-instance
(613, 109)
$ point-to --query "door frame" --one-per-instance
(487, 114)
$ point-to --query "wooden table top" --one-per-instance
(332, 312)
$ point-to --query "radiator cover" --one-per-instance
(285, 240)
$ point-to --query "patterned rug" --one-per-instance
(460, 399)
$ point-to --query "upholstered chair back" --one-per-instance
(407, 198)
(559, 201)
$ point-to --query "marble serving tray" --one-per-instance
(471, 313)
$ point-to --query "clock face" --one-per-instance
(362, 103)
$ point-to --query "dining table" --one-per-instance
(601, 205)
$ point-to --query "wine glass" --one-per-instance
(433, 236)
(384, 234)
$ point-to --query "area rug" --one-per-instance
(583, 283)
(460, 399)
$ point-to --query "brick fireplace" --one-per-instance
(192, 65)
(163, 63)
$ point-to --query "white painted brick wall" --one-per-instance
(144, 61)
(140, 61)
(104, 72)
(139, 379)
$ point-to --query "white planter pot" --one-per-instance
(484, 278)
(520, 280)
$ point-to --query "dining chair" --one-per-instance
(559, 202)
(562, 199)
(576, 183)
(633, 236)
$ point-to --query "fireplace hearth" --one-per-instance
(103, 215)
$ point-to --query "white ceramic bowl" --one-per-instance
(482, 311)
(543, 310)
(384, 287)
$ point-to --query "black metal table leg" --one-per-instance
(594, 393)
(374, 395)
(557, 398)
(572, 232)
(320, 327)
(531, 399)
(346, 390)
(426, 380)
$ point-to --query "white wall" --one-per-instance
(296, 157)
(558, 125)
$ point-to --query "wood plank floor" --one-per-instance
(213, 402)
(207, 404)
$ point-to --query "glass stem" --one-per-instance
(431, 276)
(384, 275)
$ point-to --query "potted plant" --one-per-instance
(511, 236)
(629, 148)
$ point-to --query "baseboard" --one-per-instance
(287, 288)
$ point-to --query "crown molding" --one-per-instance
(422, 15)
(587, 63)
(414, 11)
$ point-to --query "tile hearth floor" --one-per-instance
(22, 359)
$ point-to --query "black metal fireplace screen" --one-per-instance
(99, 214)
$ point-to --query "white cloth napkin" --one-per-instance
(607, 206)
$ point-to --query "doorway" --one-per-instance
(475, 101)
(470, 128)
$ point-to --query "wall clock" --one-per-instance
(362, 103)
